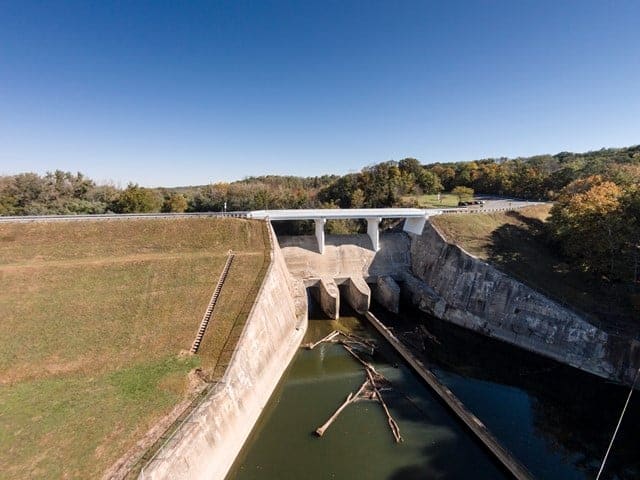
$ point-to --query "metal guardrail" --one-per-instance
(236, 214)
(118, 216)
(478, 209)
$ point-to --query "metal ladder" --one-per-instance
(212, 303)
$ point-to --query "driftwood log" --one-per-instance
(369, 390)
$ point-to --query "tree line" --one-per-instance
(595, 219)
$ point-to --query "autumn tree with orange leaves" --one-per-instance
(593, 223)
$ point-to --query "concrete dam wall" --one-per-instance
(439, 278)
(452, 285)
(443, 280)
(206, 445)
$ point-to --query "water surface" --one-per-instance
(554, 419)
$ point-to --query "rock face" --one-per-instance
(387, 293)
(452, 285)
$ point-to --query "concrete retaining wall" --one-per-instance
(206, 445)
(457, 287)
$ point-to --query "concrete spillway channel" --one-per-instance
(439, 279)
(357, 294)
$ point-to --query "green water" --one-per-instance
(359, 444)
(555, 420)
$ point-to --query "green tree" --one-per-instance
(463, 193)
(136, 199)
(174, 203)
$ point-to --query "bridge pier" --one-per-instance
(320, 233)
(373, 231)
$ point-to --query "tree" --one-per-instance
(174, 202)
(429, 182)
(589, 223)
(357, 198)
(463, 193)
(136, 199)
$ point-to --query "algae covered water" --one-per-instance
(517, 395)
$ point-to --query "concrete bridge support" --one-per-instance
(327, 295)
(320, 233)
(357, 294)
(387, 293)
(373, 231)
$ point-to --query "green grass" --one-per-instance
(95, 316)
(515, 243)
(431, 201)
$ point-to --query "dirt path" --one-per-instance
(97, 261)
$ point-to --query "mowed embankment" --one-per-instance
(94, 316)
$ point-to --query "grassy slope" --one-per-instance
(94, 315)
(431, 201)
(513, 242)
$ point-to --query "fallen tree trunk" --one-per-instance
(350, 399)
(328, 338)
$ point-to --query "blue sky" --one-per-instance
(178, 93)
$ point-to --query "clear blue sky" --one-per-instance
(176, 93)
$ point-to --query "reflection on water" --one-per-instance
(554, 419)
(557, 420)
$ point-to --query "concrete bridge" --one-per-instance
(415, 219)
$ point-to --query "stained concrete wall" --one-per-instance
(346, 256)
(357, 294)
(327, 295)
(206, 445)
(450, 284)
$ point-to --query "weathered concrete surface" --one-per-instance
(206, 445)
(347, 256)
(387, 293)
(357, 294)
(327, 295)
(457, 287)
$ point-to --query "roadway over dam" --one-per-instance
(415, 219)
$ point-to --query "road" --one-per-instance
(491, 204)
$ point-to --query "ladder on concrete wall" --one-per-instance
(212, 303)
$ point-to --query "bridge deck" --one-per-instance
(338, 213)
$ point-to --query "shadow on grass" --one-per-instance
(521, 250)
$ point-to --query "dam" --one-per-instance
(437, 294)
